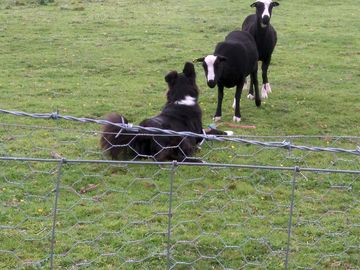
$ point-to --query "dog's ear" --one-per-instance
(189, 70)
(275, 4)
(171, 77)
(198, 60)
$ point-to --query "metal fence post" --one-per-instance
(59, 175)
(172, 176)
(293, 184)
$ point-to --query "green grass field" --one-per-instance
(87, 58)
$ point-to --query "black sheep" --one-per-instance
(258, 25)
(233, 60)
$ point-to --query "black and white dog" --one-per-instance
(180, 113)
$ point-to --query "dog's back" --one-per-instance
(114, 140)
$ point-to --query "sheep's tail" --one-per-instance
(115, 141)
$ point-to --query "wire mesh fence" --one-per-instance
(254, 203)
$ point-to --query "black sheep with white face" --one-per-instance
(258, 25)
(233, 59)
(264, 11)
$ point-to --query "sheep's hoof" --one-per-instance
(236, 119)
(268, 88)
(229, 133)
(264, 93)
(217, 118)
(250, 96)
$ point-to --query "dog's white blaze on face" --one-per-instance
(187, 101)
(210, 60)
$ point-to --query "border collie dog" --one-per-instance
(180, 113)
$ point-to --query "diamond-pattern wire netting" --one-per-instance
(64, 206)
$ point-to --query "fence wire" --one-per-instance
(248, 206)
(135, 128)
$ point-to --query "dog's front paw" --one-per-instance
(229, 133)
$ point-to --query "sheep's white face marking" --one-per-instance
(210, 61)
(187, 101)
(266, 11)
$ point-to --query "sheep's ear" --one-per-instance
(221, 58)
(253, 4)
(197, 60)
(171, 77)
(189, 70)
(275, 4)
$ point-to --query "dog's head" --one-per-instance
(182, 88)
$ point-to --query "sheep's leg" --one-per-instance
(255, 83)
(239, 87)
(247, 86)
(251, 90)
(266, 88)
(217, 116)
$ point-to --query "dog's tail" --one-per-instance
(114, 140)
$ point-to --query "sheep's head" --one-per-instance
(264, 10)
(182, 86)
(213, 67)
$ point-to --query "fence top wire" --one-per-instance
(134, 128)
(289, 137)
(176, 164)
